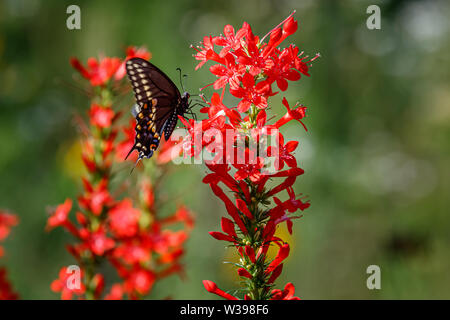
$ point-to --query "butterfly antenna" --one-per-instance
(184, 77)
(135, 165)
(181, 80)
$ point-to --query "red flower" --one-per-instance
(247, 169)
(244, 273)
(96, 198)
(212, 287)
(275, 274)
(206, 53)
(292, 114)
(282, 254)
(116, 292)
(170, 150)
(97, 72)
(289, 27)
(97, 241)
(7, 220)
(227, 74)
(184, 215)
(123, 219)
(283, 153)
(231, 209)
(59, 216)
(100, 116)
(62, 285)
(286, 294)
(123, 147)
(6, 291)
(230, 40)
(252, 56)
(281, 70)
(181, 215)
(132, 252)
(221, 236)
(132, 52)
(140, 281)
(148, 195)
(250, 93)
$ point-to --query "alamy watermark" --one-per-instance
(256, 146)
(73, 21)
(374, 20)
(374, 280)
(73, 281)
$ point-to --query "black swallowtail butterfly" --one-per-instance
(159, 103)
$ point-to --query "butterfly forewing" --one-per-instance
(150, 82)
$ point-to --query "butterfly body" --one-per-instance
(158, 105)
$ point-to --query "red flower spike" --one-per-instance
(250, 66)
(133, 239)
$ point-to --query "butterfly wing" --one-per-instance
(157, 98)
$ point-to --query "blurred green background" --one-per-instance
(376, 154)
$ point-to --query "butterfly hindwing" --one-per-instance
(147, 137)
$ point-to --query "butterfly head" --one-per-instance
(184, 103)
